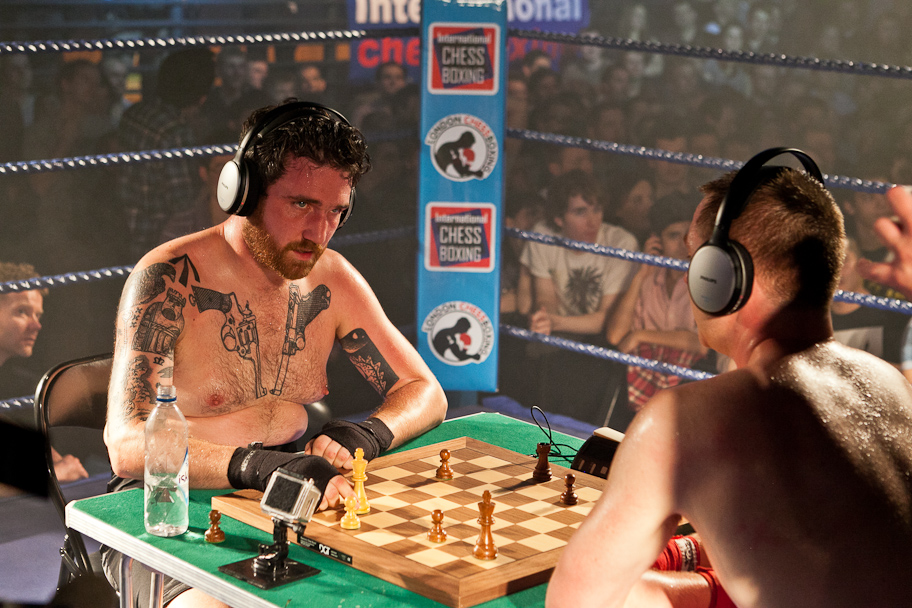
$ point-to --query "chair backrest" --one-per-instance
(72, 394)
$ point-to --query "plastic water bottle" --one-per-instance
(167, 479)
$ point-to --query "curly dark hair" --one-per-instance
(320, 137)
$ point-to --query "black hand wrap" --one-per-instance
(372, 436)
(253, 468)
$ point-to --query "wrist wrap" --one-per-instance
(372, 435)
(253, 468)
(681, 554)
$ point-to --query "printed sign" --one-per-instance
(462, 147)
(460, 237)
(459, 333)
(463, 59)
(564, 16)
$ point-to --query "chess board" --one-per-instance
(530, 528)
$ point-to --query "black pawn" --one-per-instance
(444, 471)
(569, 497)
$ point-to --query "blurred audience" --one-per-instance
(164, 200)
(20, 322)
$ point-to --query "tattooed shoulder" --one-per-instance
(365, 356)
(148, 283)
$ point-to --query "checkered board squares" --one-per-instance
(530, 527)
(528, 518)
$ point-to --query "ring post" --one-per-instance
(461, 190)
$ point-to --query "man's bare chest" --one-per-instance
(233, 350)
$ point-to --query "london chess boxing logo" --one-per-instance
(459, 333)
(462, 147)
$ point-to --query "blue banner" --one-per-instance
(461, 190)
(564, 16)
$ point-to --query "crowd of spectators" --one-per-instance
(716, 108)
(852, 125)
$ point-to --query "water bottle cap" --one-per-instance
(166, 393)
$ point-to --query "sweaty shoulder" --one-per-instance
(865, 406)
(337, 272)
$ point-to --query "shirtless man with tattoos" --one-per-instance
(794, 468)
(242, 317)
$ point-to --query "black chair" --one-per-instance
(73, 394)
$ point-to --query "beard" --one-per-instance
(267, 252)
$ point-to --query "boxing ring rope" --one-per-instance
(136, 44)
(703, 52)
(61, 164)
(682, 158)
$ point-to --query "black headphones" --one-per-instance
(721, 272)
(239, 186)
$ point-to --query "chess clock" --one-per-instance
(596, 454)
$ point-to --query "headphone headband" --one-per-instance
(281, 115)
(750, 176)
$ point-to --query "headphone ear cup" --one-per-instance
(251, 191)
(745, 282)
(348, 212)
(719, 278)
(231, 187)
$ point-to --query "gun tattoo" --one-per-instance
(238, 334)
(161, 325)
(139, 390)
(365, 356)
(301, 311)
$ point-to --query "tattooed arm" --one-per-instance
(413, 401)
(150, 321)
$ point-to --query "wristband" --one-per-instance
(718, 597)
(669, 559)
(253, 468)
(689, 553)
(371, 435)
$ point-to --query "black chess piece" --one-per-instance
(214, 534)
(484, 546)
(569, 497)
(437, 534)
(444, 471)
(542, 470)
